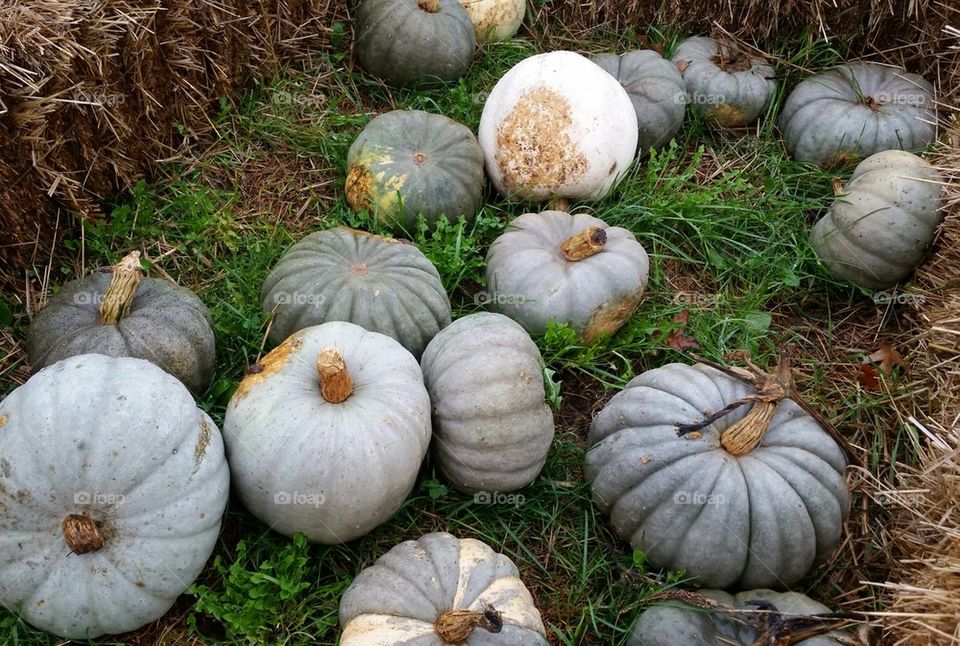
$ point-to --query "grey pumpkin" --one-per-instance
(656, 89)
(414, 43)
(381, 284)
(667, 625)
(123, 314)
(754, 499)
(853, 111)
(725, 85)
(882, 223)
(407, 163)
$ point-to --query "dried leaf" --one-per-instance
(681, 317)
(680, 341)
(887, 356)
(867, 376)
(683, 65)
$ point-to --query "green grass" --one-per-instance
(726, 214)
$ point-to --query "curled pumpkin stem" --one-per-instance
(81, 534)
(335, 382)
(119, 295)
(582, 245)
(455, 626)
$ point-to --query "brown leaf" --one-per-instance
(681, 317)
(683, 65)
(867, 376)
(887, 356)
(837, 184)
(677, 339)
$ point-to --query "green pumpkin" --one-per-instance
(381, 284)
(123, 314)
(414, 43)
(409, 163)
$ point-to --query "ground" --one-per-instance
(724, 216)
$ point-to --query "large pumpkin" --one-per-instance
(655, 88)
(326, 433)
(853, 111)
(492, 427)
(569, 268)
(557, 126)
(754, 499)
(112, 487)
(123, 314)
(880, 226)
(725, 84)
(407, 163)
(495, 20)
(440, 590)
(414, 42)
(666, 625)
(381, 284)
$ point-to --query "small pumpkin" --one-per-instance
(112, 487)
(407, 163)
(666, 625)
(492, 426)
(726, 85)
(440, 590)
(881, 224)
(751, 499)
(850, 112)
(326, 433)
(569, 268)
(123, 314)
(557, 126)
(381, 284)
(655, 88)
(414, 43)
(495, 20)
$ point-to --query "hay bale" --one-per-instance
(93, 94)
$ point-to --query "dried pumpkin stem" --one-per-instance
(455, 626)
(582, 245)
(81, 534)
(335, 382)
(430, 6)
(119, 295)
(837, 184)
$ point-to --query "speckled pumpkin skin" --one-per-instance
(880, 228)
(668, 625)
(409, 162)
(399, 598)
(407, 46)
(495, 20)
(167, 325)
(827, 120)
(730, 97)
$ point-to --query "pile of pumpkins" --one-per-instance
(113, 482)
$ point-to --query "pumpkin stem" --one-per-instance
(837, 184)
(559, 204)
(335, 382)
(582, 245)
(454, 626)
(119, 294)
(81, 534)
(430, 6)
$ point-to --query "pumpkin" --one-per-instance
(495, 20)
(655, 88)
(381, 284)
(112, 488)
(880, 226)
(326, 433)
(557, 126)
(569, 268)
(123, 314)
(853, 111)
(440, 590)
(414, 43)
(666, 625)
(492, 426)
(752, 499)
(407, 163)
(726, 85)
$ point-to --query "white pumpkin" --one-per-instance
(325, 435)
(495, 20)
(557, 126)
(112, 487)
